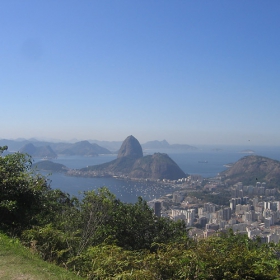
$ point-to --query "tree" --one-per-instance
(136, 227)
(23, 193)
(96, 211)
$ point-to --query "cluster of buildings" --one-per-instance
(252, 210)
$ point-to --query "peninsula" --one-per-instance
(130, 163)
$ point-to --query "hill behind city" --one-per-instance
(253, 168)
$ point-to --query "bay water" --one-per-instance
(206, 161)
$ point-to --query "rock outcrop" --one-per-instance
(130, 147)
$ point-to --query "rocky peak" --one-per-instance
(130, 147)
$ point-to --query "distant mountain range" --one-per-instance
(165, 145)
(84, 148)
(111, 146)
(52, 150)
(42, 151)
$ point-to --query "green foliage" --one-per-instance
(227, 257)
(237, 257)
(95, 211)
(108, 262)
(17, 262)
(133, 225)
(3, 149)
(98, 219)
(22, 193)
(50, 243)
(101, 237)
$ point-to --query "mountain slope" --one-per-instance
(42, 151)
(18, 263)
(84, 148)
(156, 166)
(130, 147)
(156, 145)
(251, 169)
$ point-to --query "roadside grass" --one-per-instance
(18, 263)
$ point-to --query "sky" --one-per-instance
(191, 72)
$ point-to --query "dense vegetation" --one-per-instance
(19, 263)
(100, 237)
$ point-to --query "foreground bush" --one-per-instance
(228, 257)
(23, 193)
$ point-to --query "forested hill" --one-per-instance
(251, 169)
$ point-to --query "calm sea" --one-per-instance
(207, 161)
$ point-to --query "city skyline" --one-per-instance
(190, 72)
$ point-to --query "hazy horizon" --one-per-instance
(197, 145)
(190, 72)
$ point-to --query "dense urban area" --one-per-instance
(250, 210)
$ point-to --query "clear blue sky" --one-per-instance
(193, 72)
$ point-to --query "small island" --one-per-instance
(47, 165)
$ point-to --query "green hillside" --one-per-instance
(19, 263)
(251, 169)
